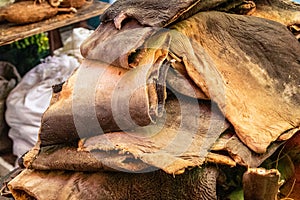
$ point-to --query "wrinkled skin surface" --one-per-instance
(214, 51)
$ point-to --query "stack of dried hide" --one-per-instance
(165, 87)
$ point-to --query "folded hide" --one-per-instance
(238, 152)
(156, 12)
(124, 42)
(236, 63)
(259, 90)
(283, 11)
(90, 102)
(255, 90)
(136, 105)
(177, 141)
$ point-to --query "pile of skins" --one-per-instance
(169, 89)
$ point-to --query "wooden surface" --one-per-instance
(10, 32)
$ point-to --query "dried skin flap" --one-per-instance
(98, 98)
(72, 159)
(256, 84)
(283, 11)
(241, 154)
(255, 89)
(112, 46)
(155, 12)
(101, 98)
(178, 141)
(260, 183)
(180, 82)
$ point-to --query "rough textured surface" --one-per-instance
(249, 87)
(155, 12)
(176, 142)
(125, 41)
(261, 184)
(101, 98)
(247, 67)
(182, 141)
(161, 14)
(18, 12)
(254, 79)
(60, 185)
(241, 154)
(283, 11)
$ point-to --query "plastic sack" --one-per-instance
(72, 43)
(6, 2)
(9, 77)
(28, 101)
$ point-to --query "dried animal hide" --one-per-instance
(88, 101)
(60, 185)
(236, 63)
(158, 13)
(259, 183)
(21, 12)
(241, 154)
(258, 86)
(244, 84)
(101, 98)
(247, 65)
(283, 11)
(155, 13)
(125, 42)
(177, 141)
(115, 149)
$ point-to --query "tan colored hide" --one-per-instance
(250, 67)
(256, 90)
(100, 98)
(177, 141)
(283, 11)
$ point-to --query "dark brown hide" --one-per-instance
(155, 12)
(124, 42)
(199, 183)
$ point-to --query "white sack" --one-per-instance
(72, 43)
(30, 98)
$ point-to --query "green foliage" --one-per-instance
(26, 53)
(39, 40)
(237, 194)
